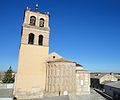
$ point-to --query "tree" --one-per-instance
(9, 77)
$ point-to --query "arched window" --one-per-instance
(32, 20)
(40, 42)
(31, 38)
(41, 22)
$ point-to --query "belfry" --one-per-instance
(34, 48)
(40, 73)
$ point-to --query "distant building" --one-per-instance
(40, 73)
(117, 75)
(99, 79)
(113, 89)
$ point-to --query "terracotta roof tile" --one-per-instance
(61, 60)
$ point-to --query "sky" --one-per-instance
(84, 31)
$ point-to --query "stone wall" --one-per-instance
(60, 78)
(82, 82)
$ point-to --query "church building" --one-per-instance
(42, 74)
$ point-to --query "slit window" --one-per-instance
(40, 42)
(31, 38)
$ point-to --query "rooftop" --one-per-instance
(100, 75)
(93, 96)
(61, 60)
(96, 75)
(114, 84)
(45, 13)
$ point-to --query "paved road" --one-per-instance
(6, 93)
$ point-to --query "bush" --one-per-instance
(9, 77)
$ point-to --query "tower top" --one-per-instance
(37, 10)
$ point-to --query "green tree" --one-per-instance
(8, 77)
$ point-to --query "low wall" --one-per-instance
(6, 98)
(7, 86)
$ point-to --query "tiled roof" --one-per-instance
(78, 65)
(118, 77)
(61, 60)
(97, 75)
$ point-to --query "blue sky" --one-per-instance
(85, 31)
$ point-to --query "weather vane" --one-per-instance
(36, 7)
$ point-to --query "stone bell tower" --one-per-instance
(34, 48)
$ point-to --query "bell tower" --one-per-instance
(34, 48)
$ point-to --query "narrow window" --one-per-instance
(31, 38)
(40, 42)
(81, 82)
(41, 22)
(32, 20)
